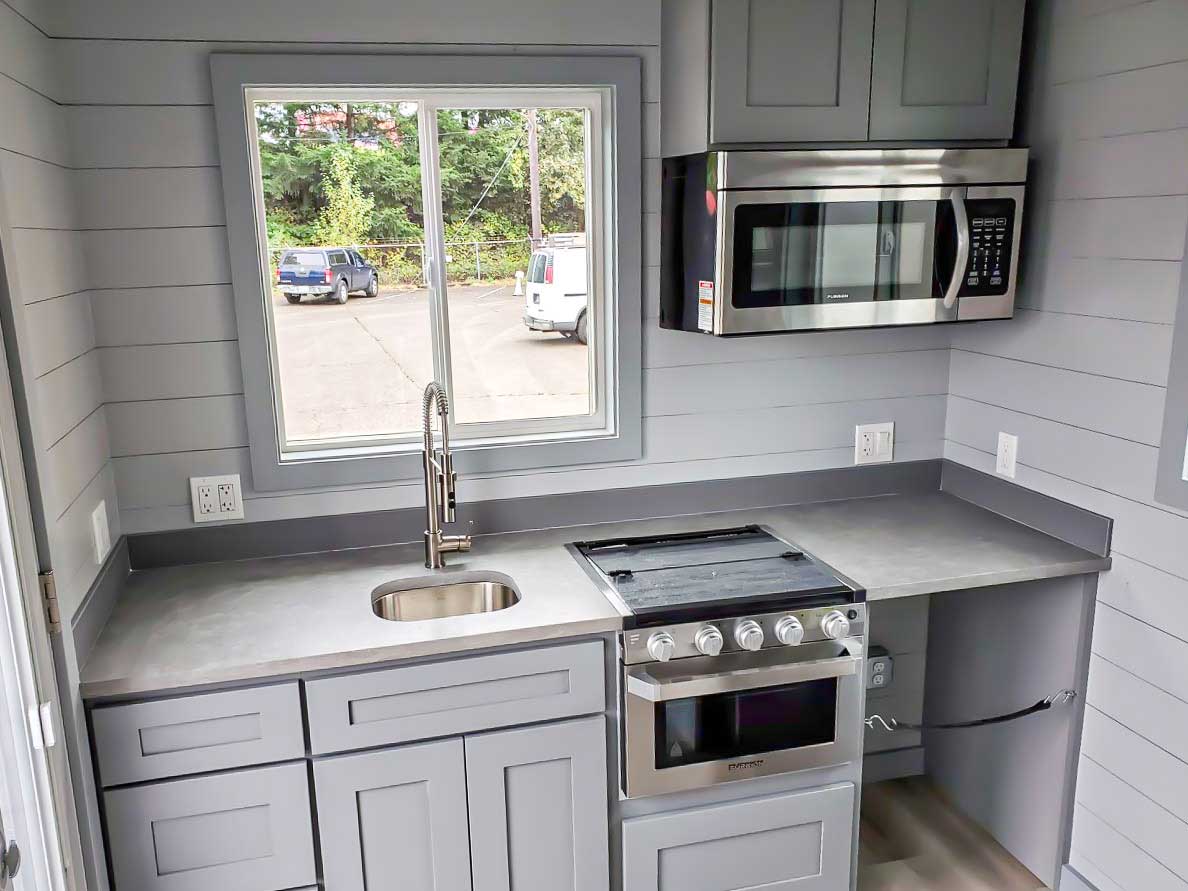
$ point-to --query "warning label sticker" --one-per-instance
(705, 306)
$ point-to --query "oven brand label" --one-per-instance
(705, 306)
(841, 296)
(745, 765)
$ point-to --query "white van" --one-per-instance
(555, 293)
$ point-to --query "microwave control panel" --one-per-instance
(991, 244)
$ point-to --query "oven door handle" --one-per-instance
(642, 684)
(961, 216)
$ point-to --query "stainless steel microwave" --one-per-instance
(763, 241)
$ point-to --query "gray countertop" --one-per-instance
(218, 622)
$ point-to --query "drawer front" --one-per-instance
(446, 698)
(799, 840)
(194, 734)
(248, 830)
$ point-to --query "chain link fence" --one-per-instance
(402, 266)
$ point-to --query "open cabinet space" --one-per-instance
(912, 838)
(977, 807)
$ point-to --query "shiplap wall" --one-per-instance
(58, 371)
(44, 253)
(141, 126)
(1080, 376)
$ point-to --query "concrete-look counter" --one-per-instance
(237, 621)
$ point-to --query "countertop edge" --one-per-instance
(330, 663)
(990, 579)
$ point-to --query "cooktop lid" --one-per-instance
(703, 571)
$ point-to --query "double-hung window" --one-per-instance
(396, 220)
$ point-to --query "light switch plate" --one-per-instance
(1008, 454)
(100, 534)
(874, 443)
(216, 498)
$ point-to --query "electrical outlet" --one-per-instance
(874, 443)
(100, 535)
(1008, 453)
(880, 668)
(216, 498)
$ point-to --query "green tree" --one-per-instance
(345, 217)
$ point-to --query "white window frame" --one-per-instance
(608, 88)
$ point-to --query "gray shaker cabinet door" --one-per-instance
(945, 69)
(799, 841)
(790, 70)
(394, 820)
(538, 808)
(249, 830)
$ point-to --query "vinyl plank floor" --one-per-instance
(911, 838)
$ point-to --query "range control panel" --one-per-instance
(991, 243)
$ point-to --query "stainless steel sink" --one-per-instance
(412, 600)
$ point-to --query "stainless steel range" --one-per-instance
(742, 657)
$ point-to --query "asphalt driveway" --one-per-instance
(360, 369)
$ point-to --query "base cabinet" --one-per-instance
(395, 818)
(798, 840)
(511, 810)
(538, 808)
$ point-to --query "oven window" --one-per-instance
(795, 254)
(725, 726)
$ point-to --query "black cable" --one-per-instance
(893, 724)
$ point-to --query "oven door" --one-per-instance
(700, 721)
(795, 259)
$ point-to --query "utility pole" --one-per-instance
(534, 176)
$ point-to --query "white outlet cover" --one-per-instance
(874, 443)
(100, 534)
(1008, 454)
(235, 512)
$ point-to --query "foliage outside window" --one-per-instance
(421, 235)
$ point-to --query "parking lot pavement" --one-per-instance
(359, 369)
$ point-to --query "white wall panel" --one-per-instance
(146, 316)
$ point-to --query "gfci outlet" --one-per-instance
(1008, 453)
(216, 498)
(874, 443)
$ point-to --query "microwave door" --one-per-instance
(802, 259)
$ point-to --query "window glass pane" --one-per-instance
(338, 174)
(514, 197)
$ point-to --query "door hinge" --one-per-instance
(49, 598)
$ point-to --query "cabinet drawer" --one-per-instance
(249, 830)
(445, 698)
(798, 840)
(193, 734)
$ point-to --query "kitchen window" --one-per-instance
(1171, 486)
(397, 220)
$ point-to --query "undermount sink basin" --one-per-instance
(414, 600)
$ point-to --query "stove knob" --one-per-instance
(708, 641)
(661, 646)
(748, 634)
(835, 625)
(789, 631)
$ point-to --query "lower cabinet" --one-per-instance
(247, 830)
(395, 818)
(797, 840)
(538, 808)
(512, 810)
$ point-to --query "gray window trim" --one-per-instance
(233, 73)
(1171, 487)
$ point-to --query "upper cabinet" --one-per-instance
(782, 67)
(778, 72)
(945, 69)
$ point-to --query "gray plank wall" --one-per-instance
(43, 237)
(1080, 376)
(141, 123)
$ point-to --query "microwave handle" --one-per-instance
(957, 198)
(642, 684)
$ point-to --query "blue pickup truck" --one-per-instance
(335, 272)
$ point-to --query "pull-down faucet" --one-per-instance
(440, 481)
